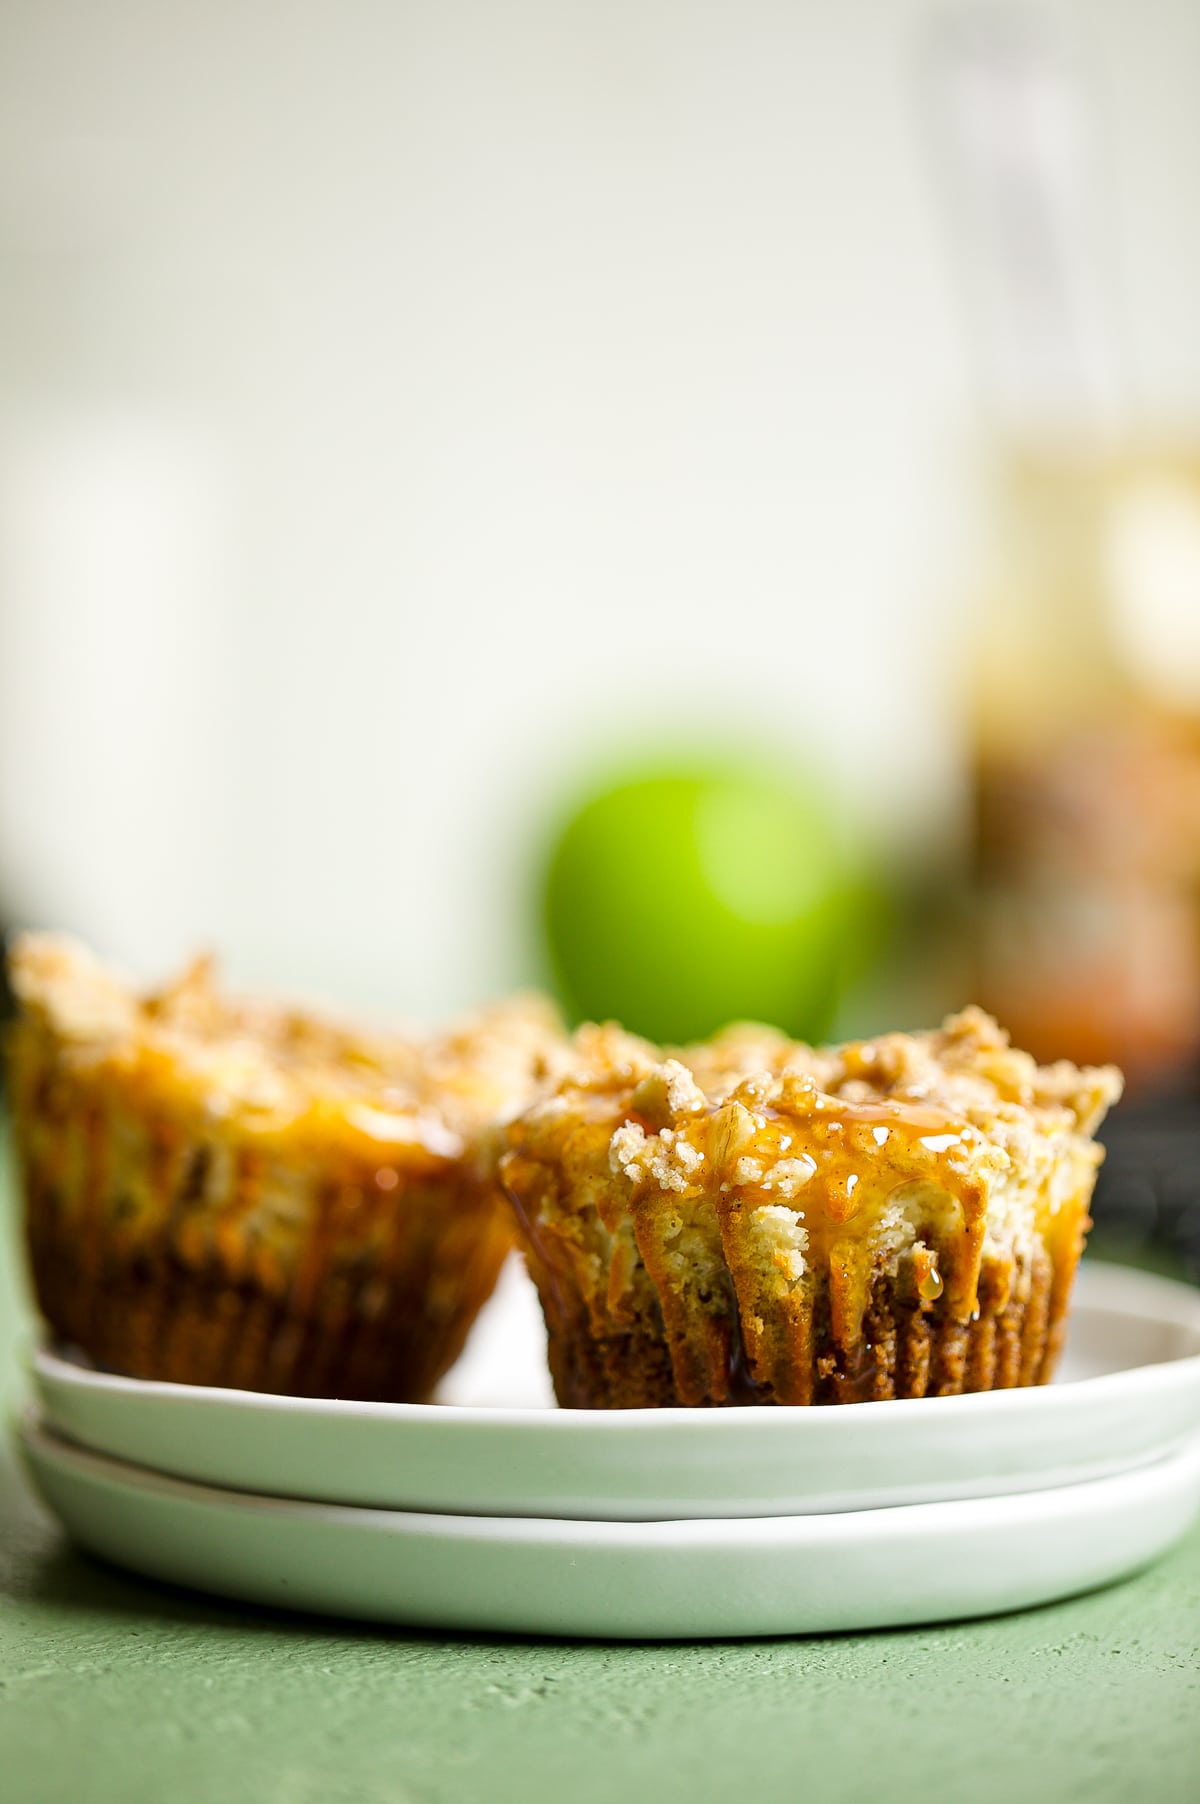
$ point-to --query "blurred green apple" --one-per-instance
(677, 902)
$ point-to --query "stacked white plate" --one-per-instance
(492, 1510)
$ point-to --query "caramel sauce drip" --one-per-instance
(835, 1165)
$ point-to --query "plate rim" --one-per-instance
(37, 1439)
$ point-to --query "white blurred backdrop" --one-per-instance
(401, 402)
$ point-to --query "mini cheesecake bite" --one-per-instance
(753, 1220)
(226, 1190)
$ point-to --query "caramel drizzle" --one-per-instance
(764, 1327)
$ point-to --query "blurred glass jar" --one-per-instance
(1085, 720)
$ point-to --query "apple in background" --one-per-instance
(677, 901)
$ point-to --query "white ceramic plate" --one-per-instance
(1130, 1393)
(660, 1580)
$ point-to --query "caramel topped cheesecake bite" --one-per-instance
(755, 1220)
(226, 1190)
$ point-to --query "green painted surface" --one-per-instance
(112, 1689)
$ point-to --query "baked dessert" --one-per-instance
(757, 1221)
(227, 1191)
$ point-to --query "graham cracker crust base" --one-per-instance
(906, 1349)
(372, 1329)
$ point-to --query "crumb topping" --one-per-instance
(961, 1094)
(272, 1068)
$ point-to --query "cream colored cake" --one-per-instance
(755, 1220)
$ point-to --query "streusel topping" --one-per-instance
(276, 1068)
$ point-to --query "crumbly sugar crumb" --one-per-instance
(271, 1065)
(945, 1111)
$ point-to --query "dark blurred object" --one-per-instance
(1147, 1202)
(1087, 911)
(7, 1003)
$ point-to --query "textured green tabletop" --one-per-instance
(112, 1688)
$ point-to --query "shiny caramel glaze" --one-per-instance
(754, 1219)
(223, 1189)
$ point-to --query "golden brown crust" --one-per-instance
(222, 1190)
(789, 1224)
